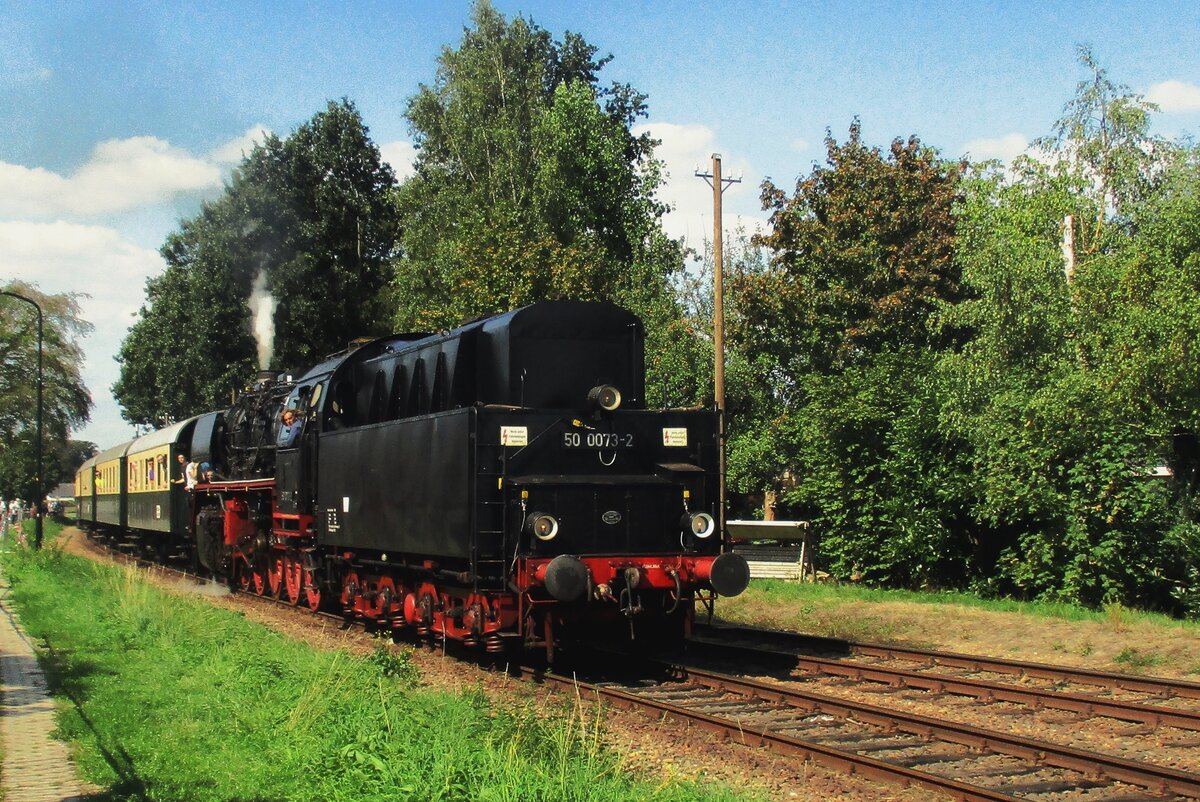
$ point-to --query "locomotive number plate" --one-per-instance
(606, 440)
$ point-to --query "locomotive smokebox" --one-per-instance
(266, 376)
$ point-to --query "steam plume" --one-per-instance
(262, 319)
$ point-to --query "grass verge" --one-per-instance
(1115, 638)
(812, 596)
(168, 698)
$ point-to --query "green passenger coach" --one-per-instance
(85, 493)
(109, 478)
(155, 504)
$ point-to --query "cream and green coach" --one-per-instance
(156, 502)
(85, 493)
(108, 479)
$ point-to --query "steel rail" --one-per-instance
(1156, 778)
(1161, 686)
(1036, 698)
(839, 760)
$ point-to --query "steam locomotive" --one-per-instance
(502, 484)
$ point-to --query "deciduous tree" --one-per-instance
(1071, 392)
(66, 401)
(530, 184)
(312, 216)
(862, 253)
(841, 320)
(1103, 140)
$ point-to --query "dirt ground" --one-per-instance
(1119, 642)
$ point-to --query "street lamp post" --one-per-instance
(37, 530)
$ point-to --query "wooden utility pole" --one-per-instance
(1068, 252)
(1068, 249)
(718, 185)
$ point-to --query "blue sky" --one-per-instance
(117, 119)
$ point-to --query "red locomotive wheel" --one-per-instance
(312, 592)
(293, 574)
(275, 576)
(242, 575)
(258, 581)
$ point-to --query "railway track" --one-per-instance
(812, 644)
(964, 761)
(1144, 699)
(972, 676)
(968, 763)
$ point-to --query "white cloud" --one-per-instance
(1005, 148)
(111, 271)
(122, 174)
(799, 145)
(239, 147)
(1175, 96)
(400, 155)
(683, 149)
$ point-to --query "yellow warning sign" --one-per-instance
(514, 435)
(675, 437)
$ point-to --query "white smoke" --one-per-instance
(262, 319)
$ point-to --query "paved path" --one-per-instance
(37, 768)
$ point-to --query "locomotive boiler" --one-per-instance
(505, 483)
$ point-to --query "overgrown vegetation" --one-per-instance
(954, 406)
(170, 698)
